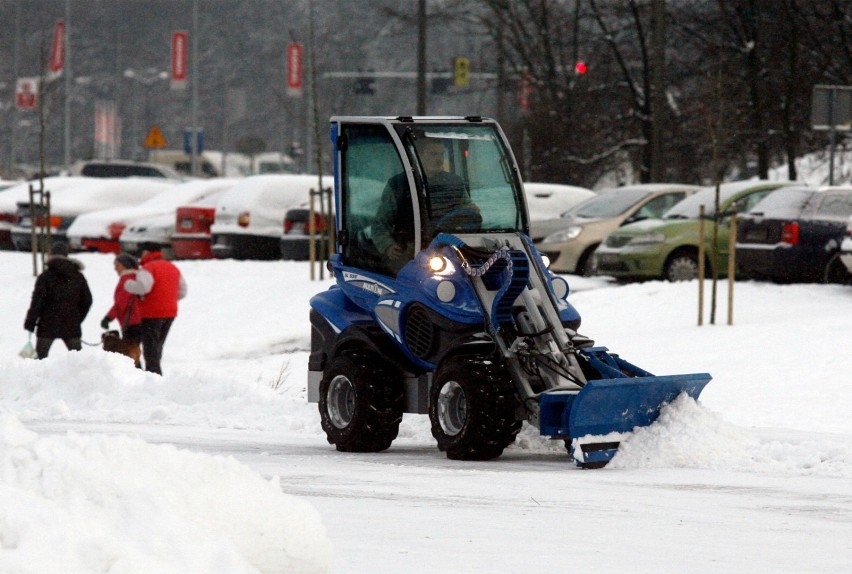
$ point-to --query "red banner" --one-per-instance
(180, 42)
(294, 70)
(57, 51)
(106, 129)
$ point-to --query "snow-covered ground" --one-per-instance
(220, 466)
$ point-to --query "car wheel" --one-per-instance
(681, 266)
(586, 267)
(472, 409)
(361, 402)
(836, 272)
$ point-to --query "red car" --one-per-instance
(191, 239)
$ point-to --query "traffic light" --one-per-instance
(461, 71)
(580, 68)
(365, 86)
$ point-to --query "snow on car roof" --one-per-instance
(267, 198)
(20, 192)
(166, 200)
(545, 199)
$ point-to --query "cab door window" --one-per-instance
(376, 205)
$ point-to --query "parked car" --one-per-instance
(154, 221)
(570, 240)
(794, 233)
(84, 195)
(845, 254)
(248, 217)
(20, 193)
(123, 168)
(667, 248)
(192, 238)
(181, 162)
(102, 230)
(295, 241)
(546, 199)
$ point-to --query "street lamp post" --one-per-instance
(146, 77)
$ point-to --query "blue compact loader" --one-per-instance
(443, 306)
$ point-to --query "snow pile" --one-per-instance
(100, 503)
(686, 435)
(105, 387)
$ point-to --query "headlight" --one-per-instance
(564, 235)
(646, 238)
(437, 263)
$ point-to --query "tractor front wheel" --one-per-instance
(361, 402)
(472, 409)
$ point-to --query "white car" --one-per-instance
(546, 200)
(159, 227)
(12, 195)
(846, 246)
(103, 230)
(249, 216)
(72, 197)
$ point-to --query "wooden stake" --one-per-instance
(700, 265)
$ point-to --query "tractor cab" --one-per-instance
(401, 181)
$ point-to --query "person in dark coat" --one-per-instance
(61, 300)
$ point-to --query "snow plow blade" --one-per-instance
(605, 408)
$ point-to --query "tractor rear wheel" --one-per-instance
(472, 409)
(361, 402)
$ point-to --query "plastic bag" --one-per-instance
(28, 351)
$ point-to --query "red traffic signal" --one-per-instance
(580, 68)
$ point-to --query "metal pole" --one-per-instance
(421, 57)
(195, 78)
(12, 150)
(67, 72)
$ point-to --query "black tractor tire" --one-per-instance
(361, 402)
(681, 266)
(472, 407)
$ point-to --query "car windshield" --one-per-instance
(690, 208)
(610, 203)
(783, 203)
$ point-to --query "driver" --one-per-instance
(393, 230)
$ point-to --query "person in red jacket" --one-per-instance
(160, 285)
(126, 306)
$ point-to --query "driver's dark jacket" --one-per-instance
(395, 218)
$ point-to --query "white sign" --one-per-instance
(26, 93)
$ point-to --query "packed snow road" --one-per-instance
(756, 477)
(412, 510)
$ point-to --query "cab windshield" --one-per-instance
(465, 180)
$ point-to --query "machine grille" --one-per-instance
(419, 332)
